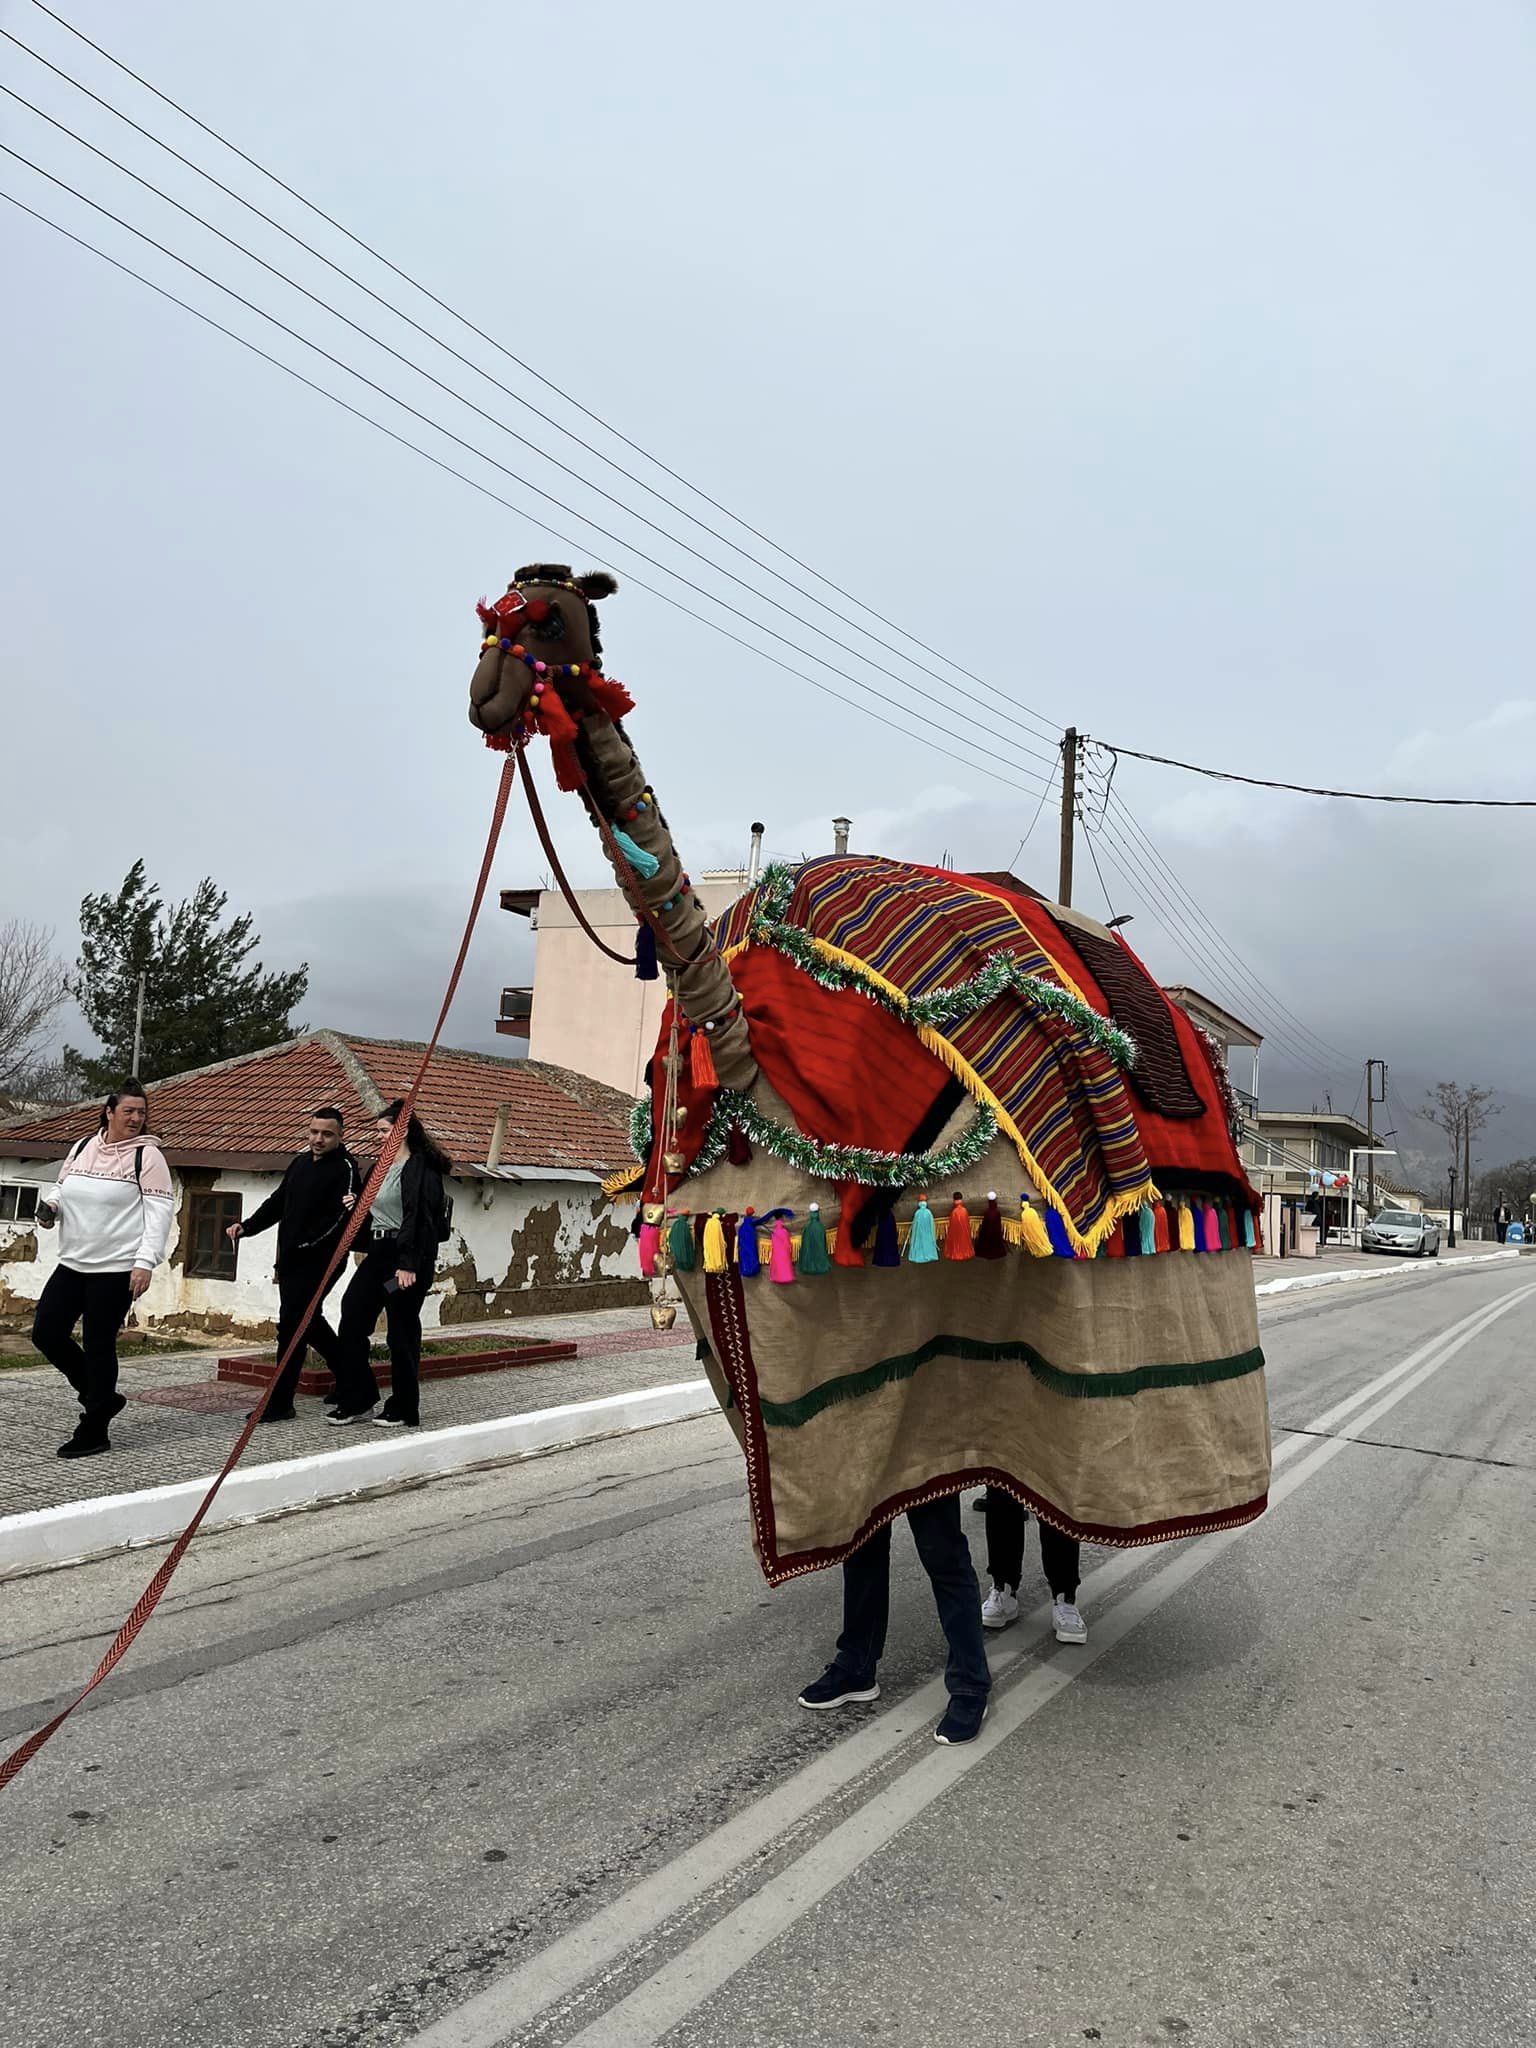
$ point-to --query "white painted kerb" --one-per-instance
(82, 1528)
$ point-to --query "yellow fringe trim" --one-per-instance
(1122, 1205)
(627, 1178)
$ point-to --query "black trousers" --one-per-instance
(1059, 1554)
(297, 1279)
(356, 1386)
(98, 1302)
(941, 1544)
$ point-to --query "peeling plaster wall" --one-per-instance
(509, 1245)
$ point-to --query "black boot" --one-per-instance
(89, 1440)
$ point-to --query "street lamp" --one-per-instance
(1450, 1240)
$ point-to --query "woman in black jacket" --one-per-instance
(406, 1225)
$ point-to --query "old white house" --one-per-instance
(530, 1143)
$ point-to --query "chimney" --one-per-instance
(841, 827)
(755, 861)
(498, 1137)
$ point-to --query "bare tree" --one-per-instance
(1461, 1113)
(33, 986)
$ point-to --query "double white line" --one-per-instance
(615, 1939)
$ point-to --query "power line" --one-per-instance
(437, 427)
(1251, 975)
(924, 738)
(409, 363)
(1151, 892)
(224, 142)
(1359, 796)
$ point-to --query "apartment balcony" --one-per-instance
(516, 1012)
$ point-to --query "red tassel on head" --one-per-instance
(1162, 1236)
(702, 1061)
(958, 1243)
(612, 698)
(847, 1252)
(990, 1241)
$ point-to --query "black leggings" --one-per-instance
(367, 1293)
(1059, 1554)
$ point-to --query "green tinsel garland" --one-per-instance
(641, 1128)
(871, 1169)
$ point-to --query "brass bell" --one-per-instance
(674, 1162)
(663, 1314)
(653, 1212)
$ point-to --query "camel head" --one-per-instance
(535, 635)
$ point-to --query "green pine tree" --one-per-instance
(202, 1002)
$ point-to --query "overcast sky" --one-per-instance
(1170, 368)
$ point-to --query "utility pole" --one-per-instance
(1466, 1165)
(1068, 812)
(1371, 1100)
(138, 1028)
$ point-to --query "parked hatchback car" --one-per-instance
(1403, 1231)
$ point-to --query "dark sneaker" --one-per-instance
(834, 1688)
(277, 1415)
(89, 1441)
(345, 1417)
(386, 1421)
(119, 1403)
(963, 1721)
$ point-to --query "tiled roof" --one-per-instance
(257, 1106)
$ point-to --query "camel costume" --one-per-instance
(946, 1182)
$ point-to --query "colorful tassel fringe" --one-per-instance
(990, 1241)
(887, 1241)
(715, 1259)
(644, 864)
(650, 1241)
(1146, 1220)
(813, 1244)
(748, 1263)
(1186, 1228)
(1248, 1230)
(847, 1252)
(701, 1062)
(781, 1257)
(646, 966)
(1061, 1244)
(680, 1243)
(1037, 1239)
(922, 1238)
(958, 1243)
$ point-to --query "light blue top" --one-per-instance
(388, 1208)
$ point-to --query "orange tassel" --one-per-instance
(958, 1243)
(847, 1252)
(613, 700)
(702, 1062)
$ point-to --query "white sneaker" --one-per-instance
(1069, 1625)
(999, 1608)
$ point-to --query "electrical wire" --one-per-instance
(1166, 913)
(437, 427)
(1045, 728)
(1358, 796)
(438, 383)
(1123, 812)
(925, 739)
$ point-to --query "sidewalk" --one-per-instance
(1340, 1258)
(180, 1420)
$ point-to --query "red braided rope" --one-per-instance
(149, 1599)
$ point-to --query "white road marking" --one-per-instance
(613, 1938)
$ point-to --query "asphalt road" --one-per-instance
(514, 1757)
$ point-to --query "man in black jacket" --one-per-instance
(309, 1207)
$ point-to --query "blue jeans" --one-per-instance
(941, 1544)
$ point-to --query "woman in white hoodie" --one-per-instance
(113, 1205)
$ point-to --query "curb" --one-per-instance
(118, 1521)
(1428, 1269)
